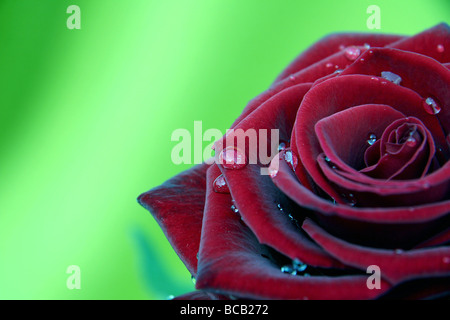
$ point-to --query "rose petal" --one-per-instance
(332, 44)
(384, 227)
(177, 205)
(427, 43)
(433, 81)
(231, 262)
(396, 266)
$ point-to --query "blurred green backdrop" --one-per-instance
(86, 118)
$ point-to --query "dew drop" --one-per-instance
(232, 158)
(411, 142)
(392, 77)
(274, 167)
(399, 251)
(282, 146)
(193, 279)
(220, 185)
(291, 158)
(352, 53)
(366, 45)
(329, 65)
(430, 106)
(292, 78)
(440, 48)
(351, 201)
(295, 268)
(234, 209)
(287, 269)
(372, 139)
(338, 71)
(298, 265)
(280, 207)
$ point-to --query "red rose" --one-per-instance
(359, 189)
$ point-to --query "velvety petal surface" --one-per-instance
(177, 205)
(232, 261)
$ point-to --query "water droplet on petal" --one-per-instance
(282, 146)
(232, 158)
(372, 139)
(298, 265)
(411, 142)
(392, 77)
(292, 78)
(399, 251)
(220, 185)
(338, 71)
(440, 48)
(280, 207)
(234, 208)
(193, 279)
(352, 53)
(366, 45)
(446, 260)
(431, 106)
(329, 65)
(291, 158)
(287, 269)
(274, 167)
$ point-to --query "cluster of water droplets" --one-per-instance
(372, 139)
(296, 268)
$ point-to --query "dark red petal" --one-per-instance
(381, 226)
(177, 205)
(396, 266)
(332, 44)
(231, 262)
(428, 42)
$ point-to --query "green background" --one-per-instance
(86, 118)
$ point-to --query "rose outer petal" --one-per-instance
(332, 44)
(395, 265)
(427, 43)
(231, 262)
(177, 205)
